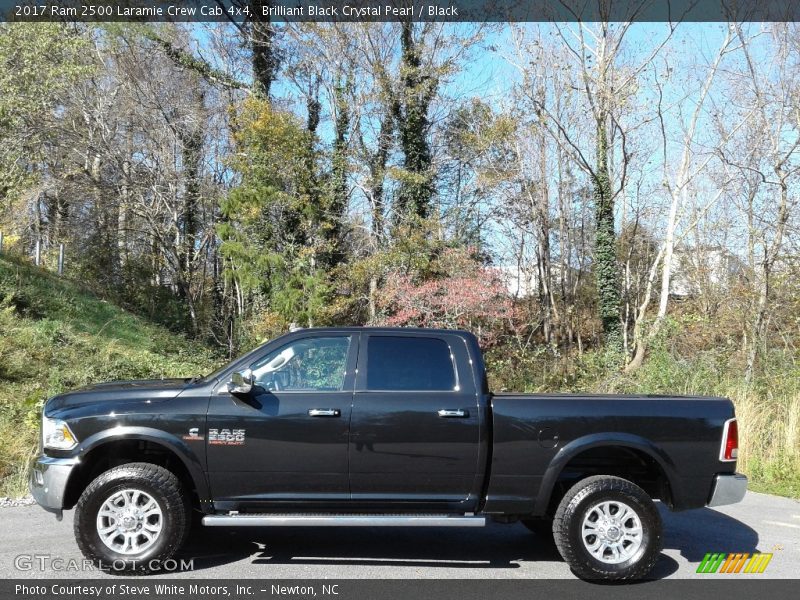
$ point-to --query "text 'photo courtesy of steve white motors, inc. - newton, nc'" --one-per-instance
(174, 590)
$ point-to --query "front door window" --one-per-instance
(307, 365)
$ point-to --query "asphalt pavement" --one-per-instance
(35, 545)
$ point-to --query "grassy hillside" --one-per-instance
(54, 336)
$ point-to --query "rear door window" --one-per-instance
(409, 363)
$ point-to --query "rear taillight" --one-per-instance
(730, 441)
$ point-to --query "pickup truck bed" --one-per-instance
(672, 443)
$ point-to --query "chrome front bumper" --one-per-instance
(48, 482)
(728, 489)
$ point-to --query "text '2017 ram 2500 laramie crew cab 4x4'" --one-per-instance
(378, 427)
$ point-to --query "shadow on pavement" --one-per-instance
(695, 532)
(493, 547)
(692, 533)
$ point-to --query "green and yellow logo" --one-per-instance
(736, 562)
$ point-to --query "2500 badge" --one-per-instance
(226, 437)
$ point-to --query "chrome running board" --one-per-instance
(256, 520)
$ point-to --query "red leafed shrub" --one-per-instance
(461, 294)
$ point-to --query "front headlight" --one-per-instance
(56, 435)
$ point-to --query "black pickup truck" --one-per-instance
(378, 427)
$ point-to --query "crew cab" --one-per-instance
(378, 427)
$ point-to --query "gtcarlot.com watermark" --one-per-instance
(58, 564)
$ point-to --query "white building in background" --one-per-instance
(523, 281)
(700, 268)
(693, 270)
(520, 282)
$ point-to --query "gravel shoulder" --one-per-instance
(6, 502)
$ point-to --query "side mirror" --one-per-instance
(241, 382)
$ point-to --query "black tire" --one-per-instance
(163, 487)
(542, 527)
(579, 501)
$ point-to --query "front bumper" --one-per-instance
(48, 481)
(728, 489)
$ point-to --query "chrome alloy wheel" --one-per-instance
(612, 532)
(129, 521)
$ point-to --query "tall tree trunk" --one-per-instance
(771, 252)
(190, 219)
(377, 175)
(125, 202)
(310, 183)
(544, 266)
(339, 160)
(108, 259)
(192, 156)
(262, 47)
(416, 191)
(606, 244)
(61, 217)
(757, 329)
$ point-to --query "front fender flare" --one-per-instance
(169, 441)
(598, 440)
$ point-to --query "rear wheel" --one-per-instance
(131, 517)
(608, 528)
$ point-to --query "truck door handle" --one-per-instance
(324, 412)
(450, 413)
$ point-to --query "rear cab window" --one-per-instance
(406, 363)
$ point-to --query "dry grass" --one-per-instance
(769, 440)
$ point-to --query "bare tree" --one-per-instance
(606, 83)
(678, 184)
(767, 166)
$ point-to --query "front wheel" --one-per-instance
(608, 528)
(131, 517)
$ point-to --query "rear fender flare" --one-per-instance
(598, 440)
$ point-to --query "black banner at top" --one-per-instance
(396, 10)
